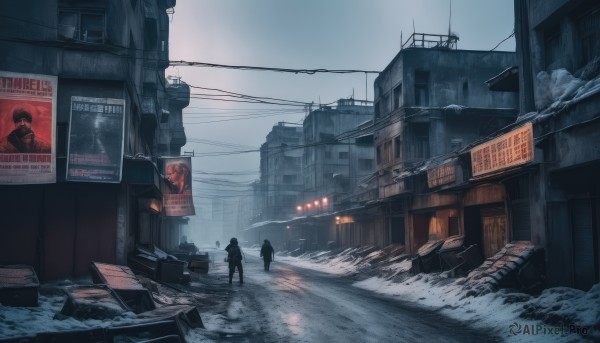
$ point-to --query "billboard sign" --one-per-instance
(177, 188)
(27, 128)
(510, 149)
(95, 148)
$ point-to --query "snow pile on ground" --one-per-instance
(514, 315)
(44, 318)
(359, 261)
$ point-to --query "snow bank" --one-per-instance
(501, 311)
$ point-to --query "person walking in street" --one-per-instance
(267, 253)
(234, 257)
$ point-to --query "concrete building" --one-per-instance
(98, 50)
(334, 157)
(333, 164)
(281, 172)
(558, 49)
(430, 102)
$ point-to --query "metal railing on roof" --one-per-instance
(426, 40)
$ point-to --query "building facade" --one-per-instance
(558, 51)
(281, 172)
(101, 52)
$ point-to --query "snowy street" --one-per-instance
(294, 304)
(346, 296)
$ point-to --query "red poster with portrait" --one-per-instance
(177, 186)
(27, 128)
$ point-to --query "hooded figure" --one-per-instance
(267, 253)
(234, 257)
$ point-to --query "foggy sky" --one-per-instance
(307, 34)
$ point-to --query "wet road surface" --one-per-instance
(292, 304)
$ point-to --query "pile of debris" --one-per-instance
(116, 292)
(518, 265)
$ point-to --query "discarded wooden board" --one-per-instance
(124, 282)
(92, 302)
(144, 332)
(185, 316)
(19, 286)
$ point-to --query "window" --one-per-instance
(287, 179)
(397, 148)
(86, 27)
(385, 105)
(398, 96)
(421, 88)
(387, 152)
(421, 132)
(552, 47)
(589, 33)
(343, 155)
(379, 154)
(365, 163)
(327, 154)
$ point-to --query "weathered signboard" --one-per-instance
(511, 149)
(442, 174)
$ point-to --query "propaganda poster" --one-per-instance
(27, 128)
(177, 188)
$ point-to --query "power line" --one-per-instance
(275, 69)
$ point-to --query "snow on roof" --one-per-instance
(559, 90)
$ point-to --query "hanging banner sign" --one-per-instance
(177, 186)
(27, 128)
(95, 149)
(442, 174)
(511, 149)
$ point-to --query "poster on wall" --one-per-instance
(177, 188)
(95, 148)
(27, 128)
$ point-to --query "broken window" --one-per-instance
(82, 26)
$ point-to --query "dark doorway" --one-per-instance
(453, 226)
(398, 230)
(473, 227)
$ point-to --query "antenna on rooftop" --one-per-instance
(450, 20)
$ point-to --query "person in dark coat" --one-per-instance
(234, 257)
(267, 253)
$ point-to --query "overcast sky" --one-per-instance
(301, 34)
